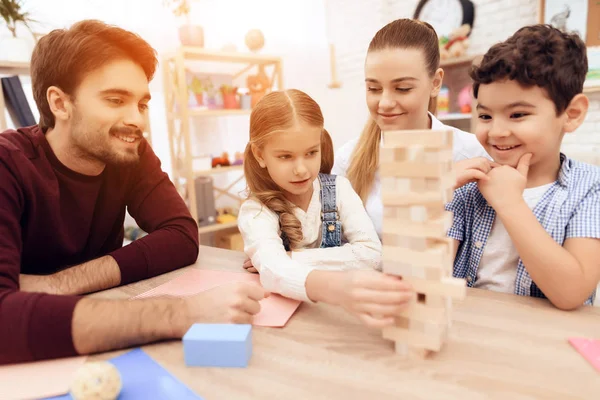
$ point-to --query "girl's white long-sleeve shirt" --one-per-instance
(280, 273)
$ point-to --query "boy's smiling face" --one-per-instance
(515, 120)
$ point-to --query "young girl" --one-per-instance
(403, 79)
(307, 232)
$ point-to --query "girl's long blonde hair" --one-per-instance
(275, 112)
(398, 34)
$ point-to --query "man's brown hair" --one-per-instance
(64, 56)
(537, 55)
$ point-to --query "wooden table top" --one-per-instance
(500, 347)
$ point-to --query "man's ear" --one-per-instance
(257, 153)
(576, 112)
(60, 103)
(438, 79)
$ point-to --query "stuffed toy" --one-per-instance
(456, 44)
(258, 85)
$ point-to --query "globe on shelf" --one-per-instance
(255, 40)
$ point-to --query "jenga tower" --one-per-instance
(417, 180)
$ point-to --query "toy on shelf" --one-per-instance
(255, 40)
(197, 88)
(218, 345)
(222, 161)
(456, 44)
(239, 158)
(443, 101)
(258, 85)
(226, 215)
(229, 94)
(465, 99)
(417, 180)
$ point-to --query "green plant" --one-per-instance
(196, 86)
(12, 12)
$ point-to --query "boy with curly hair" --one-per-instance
(531, 225)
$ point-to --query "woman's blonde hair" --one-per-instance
(399, 34)
(275, 112)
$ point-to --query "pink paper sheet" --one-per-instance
(275, 310)
(39, 379)
(589, 349)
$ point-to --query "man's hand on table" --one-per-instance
(236, 303)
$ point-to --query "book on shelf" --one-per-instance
(16, 102)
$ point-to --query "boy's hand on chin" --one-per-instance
(506, 184)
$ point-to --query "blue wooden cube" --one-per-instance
(218, 345)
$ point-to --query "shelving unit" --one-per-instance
(180, 114)
(456, 77)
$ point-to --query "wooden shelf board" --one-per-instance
(591, 89)
(220, 170)
(202, 54)
(454, 117)
(216, 227)
(14, 67)
(202, 112)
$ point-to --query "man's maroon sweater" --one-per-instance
(52, 217)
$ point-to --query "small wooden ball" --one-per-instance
(96, 381)
(255, 40)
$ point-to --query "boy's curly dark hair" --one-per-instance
(537, 55)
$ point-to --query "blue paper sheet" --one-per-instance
(143, 378)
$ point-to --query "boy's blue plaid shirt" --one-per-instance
(570, 208)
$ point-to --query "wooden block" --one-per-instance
(431, 139)
(410, 352)
(401, 349)
(398, 268)
(388, 182)
(433, 228)
(218, 345)
(436, 301)
(422, 312)
(419, 185)
(410, 169)
(392, 154)
(404, 242)
(413, 338)
(420, 325)
(415, 154)
(404, 198)
(405, 269)
(437, 156)
(414, 213)
(451, 287)
(425, 245)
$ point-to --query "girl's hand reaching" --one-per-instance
(374, 297)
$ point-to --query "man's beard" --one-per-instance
(96, 144)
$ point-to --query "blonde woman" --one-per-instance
(402, 79)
